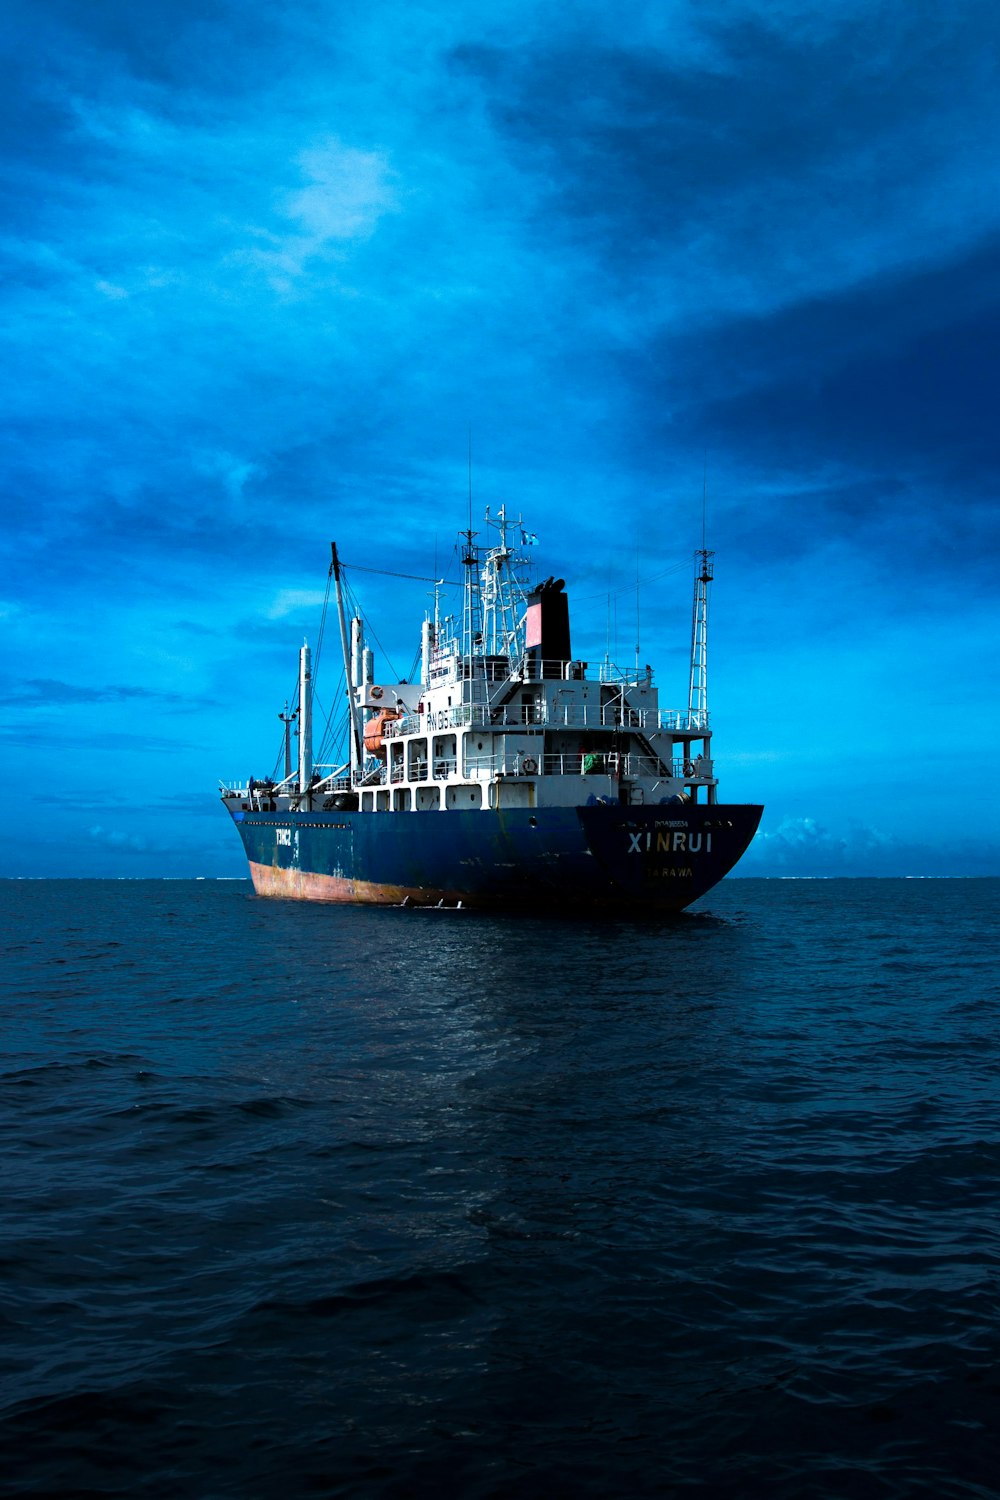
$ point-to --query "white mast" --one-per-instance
(357, 652)
(503, 585)
(305, 719)
(698, 683)
(472, 617)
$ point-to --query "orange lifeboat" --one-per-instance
(375, 730)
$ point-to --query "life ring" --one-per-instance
(375, 692)
(529, 766)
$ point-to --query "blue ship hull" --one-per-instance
(654, 858)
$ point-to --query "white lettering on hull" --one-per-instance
(669, 843)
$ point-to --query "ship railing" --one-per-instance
(583, 763)
(608, 672)
(679, 769)
(460, 714)
(373, 777)
(338, 779)
(483, 669)
(407, 724)
(443, 768)
(516, 715)
(612, 715)
(576, 716)
(644, 766)
(594, 763)
(251, 787)
(603, 716)
(684, 718)
(551, 670)
(443, 719)
(571, 716)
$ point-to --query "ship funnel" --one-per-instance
(547, 633)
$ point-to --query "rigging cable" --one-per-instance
(322, 623)
(357, 610)
(293, 697)
(326, 740)
(628, 588)
(385, 573)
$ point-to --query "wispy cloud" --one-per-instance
(346, 194)
(51, 691)
(293, 601)
(118, 840)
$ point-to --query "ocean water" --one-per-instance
(304, 1201)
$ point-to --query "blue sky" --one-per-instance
(265, 265)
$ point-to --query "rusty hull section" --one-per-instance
(306, 885)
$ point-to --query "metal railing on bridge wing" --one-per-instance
(613, 715)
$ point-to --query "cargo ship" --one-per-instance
(507, 774)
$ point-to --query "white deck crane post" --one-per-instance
(305, 720)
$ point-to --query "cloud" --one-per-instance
(347, 193)
(51, 691)
(802, 841)
(803, 846)
(786, 157)
(235, 473)
(292, 601)
(107, 745)
(119, 841)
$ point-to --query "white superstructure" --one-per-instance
(503, 715)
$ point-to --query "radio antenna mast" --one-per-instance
(637, 615)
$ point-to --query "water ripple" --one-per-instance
(307, 1201)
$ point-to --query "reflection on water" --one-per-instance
(379, 1202)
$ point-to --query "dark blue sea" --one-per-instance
(305, 1201)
